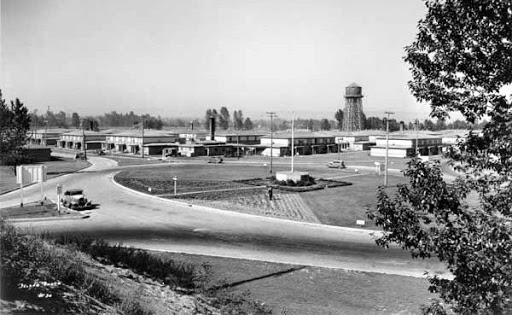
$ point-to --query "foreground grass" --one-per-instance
(80, 275)
(36, 210)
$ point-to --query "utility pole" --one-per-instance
(84, 143)
(387, 148)
(46, 127)
(293, 139)
(416, 146)
(142, 140)
(272, 115)
(237, 143)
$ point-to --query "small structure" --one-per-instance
(294, 176)
(158, 148)
(191, 149)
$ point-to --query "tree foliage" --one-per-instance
(248, 124)
(224, 118)
(89, 123)
(339, 119)
(14, 124)
(238, 119)
(324, 124)
(460, 62)
(209, 114)
(75, 120)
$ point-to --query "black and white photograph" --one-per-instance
(287, 157)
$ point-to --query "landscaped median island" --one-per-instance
(339, 198)
(241, 195)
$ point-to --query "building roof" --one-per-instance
(409, 137)
(234, 133)
(87, 133)
(159, 144)
(147, 133)
(296, 135)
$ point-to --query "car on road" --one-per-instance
(215, 159)
(336, 164)
(75, 199)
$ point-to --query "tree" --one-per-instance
(89, 123)
(339, 119)
(14, 124)
(224, 118)
(248, 125)
(324, 124)
(238, 119)
(209, 114)
(374, 123)
(60, 120)
(310, 124)
(460, 61)
(75, 120)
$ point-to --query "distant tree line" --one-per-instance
(378, 123)
(224, 121)
(108, 120)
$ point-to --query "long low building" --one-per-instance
(75, 139)
(402, 146)
(132, 142)
(45, 137)
(304, 143)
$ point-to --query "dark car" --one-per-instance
(75, 199)
(215, 159)
(336, 164)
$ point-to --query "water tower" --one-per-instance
(353, 112)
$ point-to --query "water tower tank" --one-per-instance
(354, 90)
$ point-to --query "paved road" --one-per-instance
(148, 222)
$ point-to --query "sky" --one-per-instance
(177, 58)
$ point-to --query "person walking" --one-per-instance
(270, 193)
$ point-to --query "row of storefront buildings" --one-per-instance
(196, 143)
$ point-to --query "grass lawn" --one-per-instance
(56, 167)
(342, 206)
(314, 290)
(36, 210)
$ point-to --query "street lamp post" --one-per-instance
(293, 140)
(142, 140)
(272, 115)
(387, 148)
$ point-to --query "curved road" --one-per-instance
(143, 221)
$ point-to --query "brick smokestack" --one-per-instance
(212, 128)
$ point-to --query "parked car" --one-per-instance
(75, 199)
(336, 164)
(215, 159)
